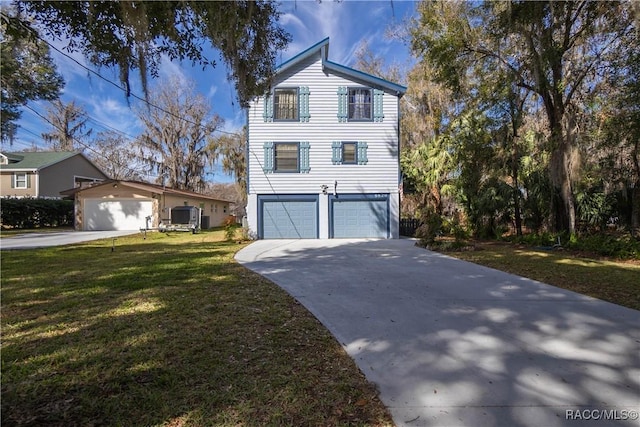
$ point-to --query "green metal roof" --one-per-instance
(36, 159)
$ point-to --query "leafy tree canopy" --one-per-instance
(26, 69)
(135, 35)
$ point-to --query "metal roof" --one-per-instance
(344, 71)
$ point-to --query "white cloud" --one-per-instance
(289, 19)
(170, 69)
(212, 91)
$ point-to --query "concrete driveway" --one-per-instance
(450, 343)
(44, 240)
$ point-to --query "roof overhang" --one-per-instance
(154, 188)
(341, 70)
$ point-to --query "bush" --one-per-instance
(35, 213)
(623, 247)
(430, 228)
(230, 226)
(607, 245)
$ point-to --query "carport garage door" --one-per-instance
(360, 216)
(119, 214)
(288, 218)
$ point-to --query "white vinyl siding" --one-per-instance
(380, 173)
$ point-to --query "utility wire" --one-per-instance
(129, 92)
(88, 147)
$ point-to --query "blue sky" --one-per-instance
(347, 23)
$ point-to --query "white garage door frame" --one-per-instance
(373, 224)
(284, 204)
(116, 214)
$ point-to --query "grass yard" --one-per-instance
(613, 281)
(166, 331)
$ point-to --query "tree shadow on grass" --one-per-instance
(151, 334)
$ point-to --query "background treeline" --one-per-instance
(522, 117)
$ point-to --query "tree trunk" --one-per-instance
(564, 207)
(635, 210)
(516, 188)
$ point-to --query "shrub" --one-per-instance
(230, 228)
(607, 245)
(430, 228)
(35, 213)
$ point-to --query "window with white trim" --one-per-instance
(20, 180)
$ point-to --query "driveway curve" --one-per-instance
(45, 240)
(451, 343)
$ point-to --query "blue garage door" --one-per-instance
(288, 218)
(360, 216)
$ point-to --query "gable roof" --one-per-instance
(35, 160)
(335, 68)
(145, 186)
(38, 160)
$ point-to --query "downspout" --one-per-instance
(246, 153)
(36, 175)
(399, 164)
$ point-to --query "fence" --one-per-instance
(408, 226)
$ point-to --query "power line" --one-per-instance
(88, 147)
(128, 91)
(107, 127)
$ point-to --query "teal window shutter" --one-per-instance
(343, 107)
(362, 153)
(304, 103)
(267, 165)
(267, 113)
(13, 180)
(304, 157)
(336, 152)
(378, 112)
(28, 176)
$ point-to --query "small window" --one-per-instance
(20, 180)
(286, 157)
(359, 104)
(349, 153)
(285, 104)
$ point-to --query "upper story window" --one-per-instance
(285, 104)
(20, 180)
(360, 104)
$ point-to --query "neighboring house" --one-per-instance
(45, 173)
(323, 152)
(126, 205)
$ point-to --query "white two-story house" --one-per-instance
(323, 152)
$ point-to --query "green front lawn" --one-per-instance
(611, 280)
(166, 331)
